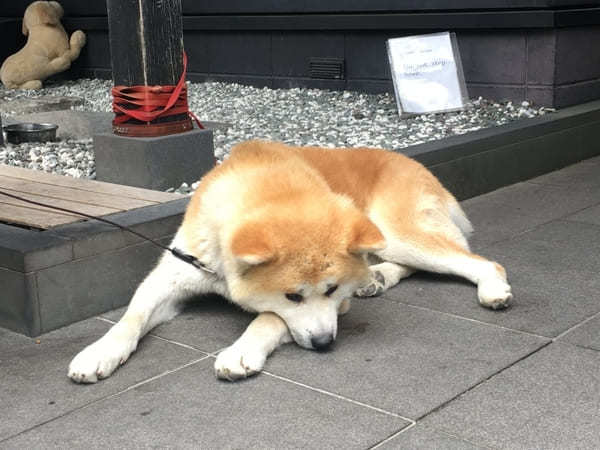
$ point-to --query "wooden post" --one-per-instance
(146, 43)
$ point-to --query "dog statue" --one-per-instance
(48, 49)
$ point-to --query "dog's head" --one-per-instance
(300, 260)
(41, 13)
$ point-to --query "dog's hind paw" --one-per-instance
(494, 293)
(235, 363)
(375, 287)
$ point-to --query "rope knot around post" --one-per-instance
(135, 104)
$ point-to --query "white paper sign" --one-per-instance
(427, 73)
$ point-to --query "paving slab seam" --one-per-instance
(337, 396)
(87, 405)
(181, 344)
(592, 317)
(485, 380)
(528, 230)
(469, 319)
(170, 341)
(392, 436)
(580, 222)
(412, 425)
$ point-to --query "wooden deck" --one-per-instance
(88, 196)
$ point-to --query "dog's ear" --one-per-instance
(24, 28)
(365, 237)
(250, 245)
(58, 10)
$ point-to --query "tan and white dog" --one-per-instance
(48, 50)
(289, 232)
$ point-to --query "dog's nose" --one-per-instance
(322, 342)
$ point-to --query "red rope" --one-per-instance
(152, 101)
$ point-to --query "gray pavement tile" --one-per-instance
(583, 175)
(403, 359)
(207, 323)
(509, 211)
(553, 271)
(34, 386)
(549, 400)
(192, 409)
(586, 335)
(588, 215)
(420, 437)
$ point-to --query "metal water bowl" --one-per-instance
(30, 132)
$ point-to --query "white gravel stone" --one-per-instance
(295, 116)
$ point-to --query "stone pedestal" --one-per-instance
(154, 163)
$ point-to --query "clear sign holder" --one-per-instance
(427, 74)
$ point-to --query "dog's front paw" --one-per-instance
(236, 362)
(78, 39)
(494, 293)
(99, 360)
(375, 287)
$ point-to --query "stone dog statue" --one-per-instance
(48, 49)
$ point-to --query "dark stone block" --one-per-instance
(366, 54)
(11, 37)
(95, 53)
(496, 92)
(292, 51)
(240, 53)
(485, 160)
(55, 277)
(577, 57)
(154, 163)
(493, 57)
(541, 57)
(572, 94)
(16, 314)
(94, 238)
(29, 250)
(540, 95)
(86, 287)
(197, 45)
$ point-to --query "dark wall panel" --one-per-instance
(366, 55)
(241, 53)
(583, 64)
(494, 57)
(292, 51)
(320, 6)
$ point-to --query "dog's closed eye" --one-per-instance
(294, 297)
(331, 290)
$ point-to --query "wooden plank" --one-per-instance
(76, 195)
(88, 185)
(86, 208)
(33, 217)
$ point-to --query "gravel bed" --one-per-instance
(295, 116)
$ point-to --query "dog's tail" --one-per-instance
(459, 218)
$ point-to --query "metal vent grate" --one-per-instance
(327, 68)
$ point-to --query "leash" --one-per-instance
(147, 103)
(177, 253)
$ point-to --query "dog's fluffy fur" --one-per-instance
(289, 232)
(48, 49)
